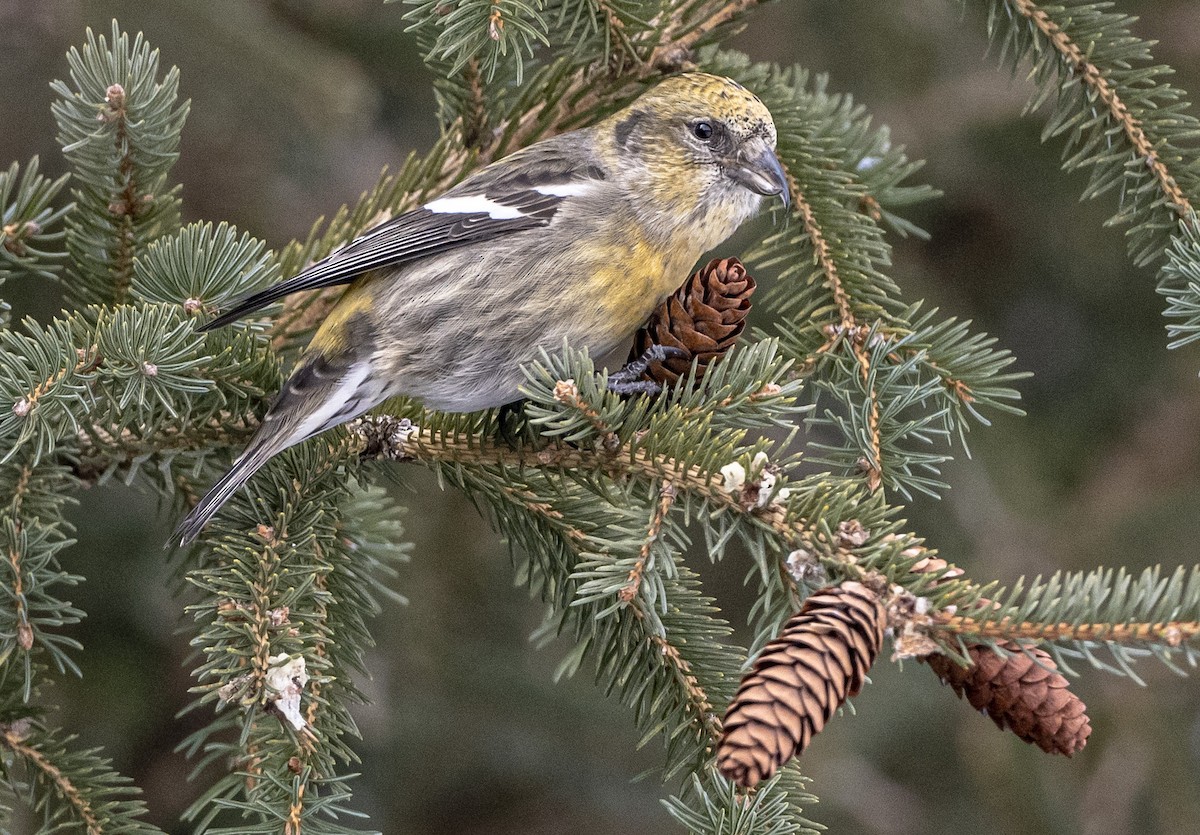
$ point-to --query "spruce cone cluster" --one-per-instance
(799, 680)
(1021, 694)
(704, 318)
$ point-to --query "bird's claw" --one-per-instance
(510, 426)
(626, 381)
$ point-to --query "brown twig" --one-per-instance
(88, 360)
(821, 252)
(567, 393)
(127, 206)
(294, 824)
(319, 651)
(427, 446)
(62, 784)
(20, 489)
(666, 496)
(697, 699)
(1172, 633)
(262, 589)
(24, 628)
(674, 49)
(625, 53)
(475, 114)
(102, 447)
(529, 502)
(872, 465)
(1093, 76)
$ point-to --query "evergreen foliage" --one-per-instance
(28, 246)
(119, 127)
(603, 496)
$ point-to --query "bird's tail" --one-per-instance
(246, 465)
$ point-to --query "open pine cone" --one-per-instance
(799, 680)
(704, 317)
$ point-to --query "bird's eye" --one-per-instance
(703, 130)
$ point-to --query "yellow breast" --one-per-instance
(633, 282)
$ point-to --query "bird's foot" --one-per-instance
(627, 381)
(511, 427)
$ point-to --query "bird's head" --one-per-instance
(701, 145)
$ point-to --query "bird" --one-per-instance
(576, 237)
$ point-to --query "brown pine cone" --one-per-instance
(1032, 701)
(799, 680)
(704, 317)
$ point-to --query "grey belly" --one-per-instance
(457, 341)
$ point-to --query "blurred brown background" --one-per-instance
(297, 104)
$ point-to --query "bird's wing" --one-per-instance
(520, 192)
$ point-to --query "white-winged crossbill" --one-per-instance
(578, 238)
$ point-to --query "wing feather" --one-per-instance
(497, 201)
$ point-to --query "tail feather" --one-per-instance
(323, 391)
(243, 468)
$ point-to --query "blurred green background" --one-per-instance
(297, 105)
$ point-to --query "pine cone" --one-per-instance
(799, 680)
(1032, 701)
(704, 317)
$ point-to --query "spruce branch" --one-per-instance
(73, 789)
(130, 367)
(202, 266)
(850, 556)
(24, 629)
(712, 805)
(1179, 282)
(1172, 634)
(1105, 91)
(33, 532)
(820, 246)
(698, 703)
(49, 772)
(1075, 614)
(119, 127)
(871, 463)
(690, 25)
(668, 665)
(1119, 118)
(475, 112)
(497, 33)
(28, 239)
(388, 438)
(840, 307)
(283, 627)
(630, 590)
